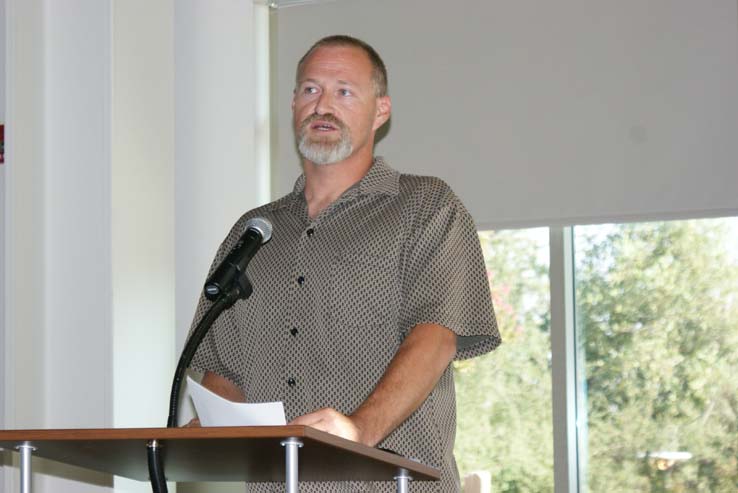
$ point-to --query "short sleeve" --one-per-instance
(223, 336)
(444, 280)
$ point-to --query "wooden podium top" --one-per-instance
(252, 453)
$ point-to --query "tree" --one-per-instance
(657, 310)
(504, 411)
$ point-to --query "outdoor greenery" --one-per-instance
(504, 398)
(657, 319)
(658, 310)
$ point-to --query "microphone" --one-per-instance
(256, 232)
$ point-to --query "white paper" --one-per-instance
(213, 410)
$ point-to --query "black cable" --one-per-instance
(156, 468)
(221, 304)
(240, 290)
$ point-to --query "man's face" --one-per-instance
(335, 109)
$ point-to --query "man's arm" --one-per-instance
(223, 387)
(409, 379)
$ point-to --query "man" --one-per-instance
(372, 283)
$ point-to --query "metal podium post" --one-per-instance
(403, 479)
(292, 446)
(26, 451)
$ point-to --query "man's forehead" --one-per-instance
(336, 59)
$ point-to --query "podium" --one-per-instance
(250, 454)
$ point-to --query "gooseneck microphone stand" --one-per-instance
(156, 466)
(240, 291)
(237, 287)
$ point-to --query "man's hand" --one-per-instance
(330, 421)
(414, 371)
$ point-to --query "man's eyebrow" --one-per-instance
(315, 81)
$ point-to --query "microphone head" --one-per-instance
(262, 225)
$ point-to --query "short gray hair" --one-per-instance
(379, 71)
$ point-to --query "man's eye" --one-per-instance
(310, 90)
(344, 92)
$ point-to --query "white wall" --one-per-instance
(142, 204)
(57, 292)
(218, 178)
(76, 348)
(23, 207)
(121, 181)
(76, 216)
(546, 112)
(142, 230)
(220, 142)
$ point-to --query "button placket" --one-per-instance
(301, 274)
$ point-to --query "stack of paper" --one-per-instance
(213, 410)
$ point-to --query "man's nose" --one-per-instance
(324, 104)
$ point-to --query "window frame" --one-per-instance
(565, 397)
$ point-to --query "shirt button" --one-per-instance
(310, 232)
(293, 331)
(291, 382)
(301, 280)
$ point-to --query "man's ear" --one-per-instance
(384, 109)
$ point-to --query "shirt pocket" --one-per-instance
(364, 290)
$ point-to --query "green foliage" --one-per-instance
(504, 412)
(657, 306)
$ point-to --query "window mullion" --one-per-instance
(563, 358)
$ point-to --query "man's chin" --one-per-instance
(324, 154)
(323, 160)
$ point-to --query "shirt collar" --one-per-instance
(381, 179)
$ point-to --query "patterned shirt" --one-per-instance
(335, 296)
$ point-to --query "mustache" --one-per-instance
(328, 117)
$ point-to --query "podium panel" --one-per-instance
(248, 454)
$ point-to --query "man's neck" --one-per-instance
(324, 184)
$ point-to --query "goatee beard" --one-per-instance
(324, 152)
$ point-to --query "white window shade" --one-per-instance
(546, 112)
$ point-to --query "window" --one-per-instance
(657, 321)
(655, 351)
(504, 398)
